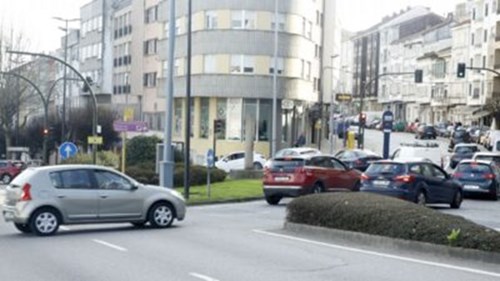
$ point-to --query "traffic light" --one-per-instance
(90, 81)
(419, 75)
(362, 119)
(219, 125)
(461, 70)
(45, 132)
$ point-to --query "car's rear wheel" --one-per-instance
(24, 228)
(357, 186)
(317, 188)
(44, 222)
(6, 178)
(273, 200)
(421, 198)
(257, 166)
(457, 200)
(161, 215)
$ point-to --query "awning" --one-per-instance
(481, 113)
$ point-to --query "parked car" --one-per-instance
(427, 150)
(487, 156)
(479, 177)
(442, 130)
(415, 181)
(41, 199)
(462, 151)
(9, 169)
(300, 175)
(373, 124)
(426, 132)
(458, 136)
(358, 159)
(236, 161)
(297, 151)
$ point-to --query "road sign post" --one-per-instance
(210, 163)
(387, 120)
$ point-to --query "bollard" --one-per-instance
(350, 139)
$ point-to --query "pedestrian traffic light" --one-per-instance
(461, 70)
(362, 119)
(219, 125)
(419, 75)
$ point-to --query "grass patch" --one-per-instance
(227, 191)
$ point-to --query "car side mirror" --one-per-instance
(134, 187)
(450, 150)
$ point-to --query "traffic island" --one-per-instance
(376, 220)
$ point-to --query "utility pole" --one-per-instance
(188, 105)
(275, 83)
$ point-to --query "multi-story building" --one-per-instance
(233, 67)
(372, 52)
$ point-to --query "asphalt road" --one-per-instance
(221, 242)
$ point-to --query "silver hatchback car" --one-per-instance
(40, 199)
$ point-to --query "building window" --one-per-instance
(149, 79)
(280, 66)
(486, 9)
(484, 61)
(204, 117)
(474, 13)
(150, 46)
(309, 29)
(485, 36)
(308, 70)
(302, 68)
(265, 116)
(243, 19)
(281, 22)
(151, 14)
(177, 67)
(222, 115)
(472, 39)
(178, 117)
(211, 19)
(233, 118)
(209, 65)
(242, 64)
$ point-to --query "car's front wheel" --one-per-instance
(24, 228)
(457, 200)
(257, 166)
(6, 178)
(44, 222)
(317, 188)
(161, 215)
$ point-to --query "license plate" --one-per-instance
(381, 183)
(281, 178)
(471, 187)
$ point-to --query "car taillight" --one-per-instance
(304, 171)
(489, 176)
(364, 177)
(457, 175)
(26, 195)
(405, 178)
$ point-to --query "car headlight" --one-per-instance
(177, 194)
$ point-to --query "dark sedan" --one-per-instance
(462, 152)
(415, 181)
(478, 177)
(426, 132)
(358, 159)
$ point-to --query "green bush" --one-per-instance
(386, 216)
(145, 173)
(104, 158)
(141, 149)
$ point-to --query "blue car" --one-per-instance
(416, 181)
(479, 177)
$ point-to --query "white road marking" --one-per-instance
(202, 277)
(395, 257)
(110, 245)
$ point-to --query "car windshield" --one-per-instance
(386, 169)
(465, 149)
(495, 159)
(473, 168)
(286, 163)
(459, 134)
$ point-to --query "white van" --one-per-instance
(427, 151)
(494, 140)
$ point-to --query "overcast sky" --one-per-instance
(34, 17)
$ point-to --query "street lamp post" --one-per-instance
(63, 123)
(87, 84)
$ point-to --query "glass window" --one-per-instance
(265, 116)
(236, 64)
(281, 22)
(249, 111)
(111, 181)
(211, 19)
(237, 19)
(337, 165)
(221, 115)
(233, 121)
(204, 117)
(71, 179)
(248, 64)
(178, 117)
(210, 64)
(280, 65)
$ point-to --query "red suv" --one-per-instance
(295, 176)
(9, 170)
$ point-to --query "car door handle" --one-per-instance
(61, 196)
(104, 196)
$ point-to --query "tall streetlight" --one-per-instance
(275, 83)
(63, 123)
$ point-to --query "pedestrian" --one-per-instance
(301, 140)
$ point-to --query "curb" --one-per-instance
(394, 243)
(242, 200)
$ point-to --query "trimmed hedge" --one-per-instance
(145, 173)
(386, 216)
(105, 158)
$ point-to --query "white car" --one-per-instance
(423, 150)
(236, 161)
